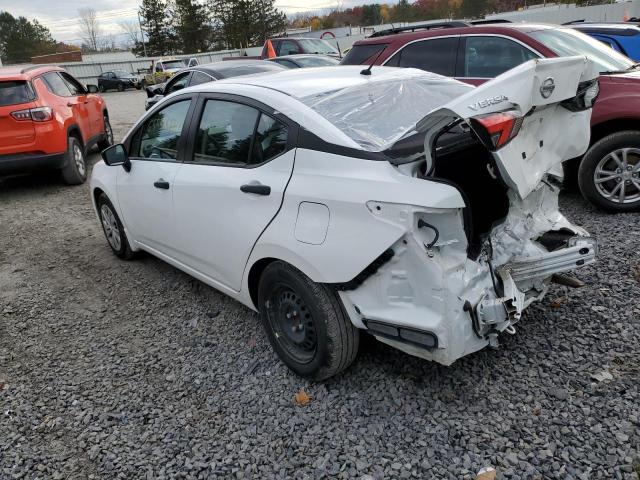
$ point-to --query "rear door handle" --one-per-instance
(160, 183)
(256, 188)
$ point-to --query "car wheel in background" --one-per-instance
(75, 170)
(101, 88)
(609, 174)
(120, 87)
(305, 323)
(113, 229)
(108, 140)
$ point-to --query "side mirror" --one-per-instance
(92, 88)
(116, 155)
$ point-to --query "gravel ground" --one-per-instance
(112, 369)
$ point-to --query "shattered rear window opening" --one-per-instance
(379, 113)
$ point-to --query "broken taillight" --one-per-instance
(495, 130)
(41, 114)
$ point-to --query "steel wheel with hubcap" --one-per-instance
(292, 323)
(113, 229)
(305, 322)
(609, 174)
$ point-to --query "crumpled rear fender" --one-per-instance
(332, 224)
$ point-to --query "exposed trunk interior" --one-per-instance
(462, 161)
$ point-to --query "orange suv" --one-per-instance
(49, 121)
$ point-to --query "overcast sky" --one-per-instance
(61, 16)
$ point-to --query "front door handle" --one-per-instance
(256, 188)
(160, 183)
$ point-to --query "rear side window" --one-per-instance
(15, 92)
(360, 54)
(270, 139)
(56, 85)
(436, 56)
(488, 57)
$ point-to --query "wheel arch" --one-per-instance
(258, 266)
(73, 130)
(601, 130)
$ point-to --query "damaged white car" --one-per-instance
(395, 201)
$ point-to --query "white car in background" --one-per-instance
(334, 200)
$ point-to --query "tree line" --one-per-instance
(189, 26)
(405, 11)
(21, 39)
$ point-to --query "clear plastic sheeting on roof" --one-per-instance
(379, 113)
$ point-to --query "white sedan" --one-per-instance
(336, 200)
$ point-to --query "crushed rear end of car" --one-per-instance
(462, 274)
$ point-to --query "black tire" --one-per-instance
(113, 229)
(318, 341)
(75, 170)
(108, 139)
(101, 88)
(143, 84)
(120, 87)
(598, 157)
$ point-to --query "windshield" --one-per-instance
(377, 114)
(568, 42)
(173, 64)
(318, 61)
(316, 46)
(121, 74)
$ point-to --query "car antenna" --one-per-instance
(367, 71)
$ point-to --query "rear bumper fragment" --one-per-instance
(26, 162)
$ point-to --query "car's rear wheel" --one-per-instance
(108, 135)
(113, 229)
(75, 170)
(101, 88)
(609, 174)
(305, 323)
(120, 87)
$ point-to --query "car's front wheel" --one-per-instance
(305, 323)
(609, 174)
(120, 87)
(113, 229)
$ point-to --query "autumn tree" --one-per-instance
(21, 39)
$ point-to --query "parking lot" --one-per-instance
(112, 369)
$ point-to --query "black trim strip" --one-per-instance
(311, 141)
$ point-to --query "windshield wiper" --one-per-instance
(614, 72)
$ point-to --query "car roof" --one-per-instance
(301, 55)
(303, 82)
(623, 29)
(26, 72)
(497, 28)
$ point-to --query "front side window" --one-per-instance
(488, 57)
(436, 56)
(225, 133)
(158, 138)
(73, 85)
(56, 85)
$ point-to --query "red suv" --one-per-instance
(48, 121)
(608, 174)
